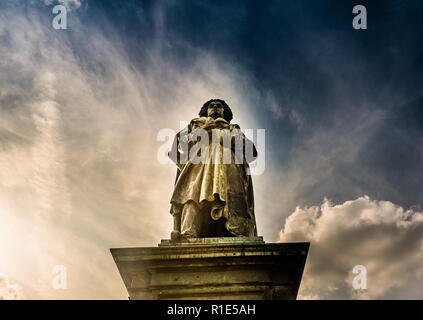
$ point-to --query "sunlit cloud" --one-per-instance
(79, 149)
(379, 235)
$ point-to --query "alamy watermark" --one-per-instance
(360, 20)
(60, 279)
(360, 280)
(60, 21)
(222, 146)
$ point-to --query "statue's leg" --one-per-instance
(190, 220)
(176, 233)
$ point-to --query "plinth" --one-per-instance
(213, 268)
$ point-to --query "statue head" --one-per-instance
(216, 108)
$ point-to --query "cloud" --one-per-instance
(78, 146)
(9, 291)
(379, 235)
(69, 4)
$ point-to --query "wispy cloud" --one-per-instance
(69, 4)
(78, 156)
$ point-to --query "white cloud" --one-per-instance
(78, 166)
(9, 291)
(379, 235)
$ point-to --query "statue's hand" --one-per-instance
(218, 123)
(234, 127)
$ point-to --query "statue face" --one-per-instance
(215, 110)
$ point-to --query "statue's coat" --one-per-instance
(225, 189)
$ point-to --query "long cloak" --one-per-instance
(226, 188)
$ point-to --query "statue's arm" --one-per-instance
(177, 154)
(249, 145)
(250, 151)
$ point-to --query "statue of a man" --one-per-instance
(213, 195)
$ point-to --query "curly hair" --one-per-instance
(227, 112)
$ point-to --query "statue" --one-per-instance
(213, 211)
(213, 194)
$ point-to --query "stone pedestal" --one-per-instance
(213, 268)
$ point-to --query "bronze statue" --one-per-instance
(213, 194)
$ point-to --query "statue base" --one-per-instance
(212, 269)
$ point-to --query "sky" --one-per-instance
(81, 108)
